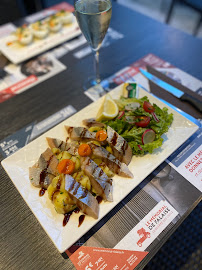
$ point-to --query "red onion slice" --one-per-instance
(139, 147)
(155, 117)
(121, 114)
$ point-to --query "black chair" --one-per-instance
(194, 4)
(12, 10)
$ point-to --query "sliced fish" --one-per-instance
(84, 200)
(71, 148)
(119, 145)
(40, 178)
(45, 169)
(91, 122)
(111, 161)
(99, 180)
(81, 134)
(48, 162)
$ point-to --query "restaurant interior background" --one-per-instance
(183, 244)
(185, 15)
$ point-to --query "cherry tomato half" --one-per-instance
(143, 121)
(148, 107)
(66, 166)
(84, 150)
(101, 135)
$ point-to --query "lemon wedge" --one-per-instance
(108, 109)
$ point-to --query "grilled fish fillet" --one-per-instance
(99, 180)
(111, 161)
(81, 134)
(119, 145)
(48, 162)
(91, 122)
(42, 173)
(84, 200)
(40, 178)
(71, 148)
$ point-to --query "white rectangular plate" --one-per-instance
(18, 164)
(17, 53)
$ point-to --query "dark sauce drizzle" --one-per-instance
(43, 176)
(66, 218)
(81, 219)
(114, 139)
(58, 184)
(60, 145)
(99, 199)
(42, 192)
(68, 215)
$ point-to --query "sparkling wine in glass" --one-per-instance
(93, 17)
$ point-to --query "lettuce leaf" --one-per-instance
(149, 147)
(118, 125)
(122, 102)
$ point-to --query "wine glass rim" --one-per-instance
(76, 1)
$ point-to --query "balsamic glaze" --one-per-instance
(59, 183)
(42, 177)
(42, 192)
(66, 218)
(68, 215)
(76, 189)
(76, 210)
(60, 145)
(81, 219)
(99, 199)
(83, 133)
(54, 194)
(114, 139)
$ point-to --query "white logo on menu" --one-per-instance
(146, 231)
(81, 254)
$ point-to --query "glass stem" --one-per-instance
(97, 67)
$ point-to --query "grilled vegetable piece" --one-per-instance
(59, 196)
(91, 122)
(35, 176)
(119, 145)
(48, 162)
(101, 183)
(61, 202)
(81, 134)
(71, 148)
(83, 179)
(84, 200)
(113, 163)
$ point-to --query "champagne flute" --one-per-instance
(93, 17)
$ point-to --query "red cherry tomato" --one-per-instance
(66, 166)
(143, 121)
(101, 135)
(148, 107)
(84, 150)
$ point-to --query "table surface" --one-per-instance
(25, 244)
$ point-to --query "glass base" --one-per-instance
(90, 82)
(94, 90)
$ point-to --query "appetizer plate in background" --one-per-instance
(18, 53)
(17, 167)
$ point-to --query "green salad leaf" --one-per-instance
(122, 102)
(133, 134)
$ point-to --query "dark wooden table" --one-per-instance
(24, 244)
